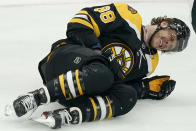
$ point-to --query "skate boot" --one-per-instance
(28, 103)
(54, 119)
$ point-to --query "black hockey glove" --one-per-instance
(114, 65)
(157, 87)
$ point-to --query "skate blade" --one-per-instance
(47, 121)
(9, 111)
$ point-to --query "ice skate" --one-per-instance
(55, 119)
(27, 103)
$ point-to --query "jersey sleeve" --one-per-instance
(83, 29)
(92, 26)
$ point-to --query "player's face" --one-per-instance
(164, 40)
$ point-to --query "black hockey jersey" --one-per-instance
(119, 27)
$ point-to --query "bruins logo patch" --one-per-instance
(133, 11)
(123, 54)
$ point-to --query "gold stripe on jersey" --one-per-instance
(62, 85)
(78, 82)
(94, 108)
(94, 24)
(133, 18)
(152, 62)
(110, 108)
(155, 60)
(81, 21)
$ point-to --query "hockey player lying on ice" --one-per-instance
(99, 70)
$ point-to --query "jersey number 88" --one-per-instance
(106, 15)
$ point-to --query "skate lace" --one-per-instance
(67, 117)
(28, 102)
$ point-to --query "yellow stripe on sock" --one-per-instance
(70, 96)
(110, 108)
(94, 107)
(62, 85)
(78, 82)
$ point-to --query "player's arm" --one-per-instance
(156, 87)
(83, 30)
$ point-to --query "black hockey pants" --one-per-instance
(96, 95)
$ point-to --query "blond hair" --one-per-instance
(158, 20)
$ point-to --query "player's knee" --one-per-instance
(97, 78)
(128, 100)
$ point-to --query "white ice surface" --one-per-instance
(28, 28)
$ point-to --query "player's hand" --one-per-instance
(157, 87)
(166, 88)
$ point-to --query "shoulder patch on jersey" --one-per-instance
(123, 54)
(132, 10)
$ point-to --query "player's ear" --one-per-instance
(164, 24)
